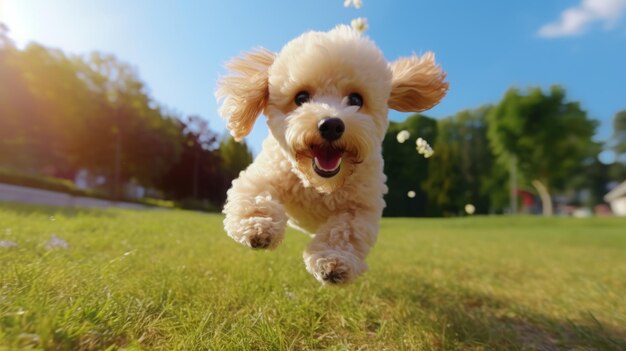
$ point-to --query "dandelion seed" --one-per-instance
(411, 194)
(356, 3)
(470, 209)
(359, 24)
(423, 148)
(403, 136)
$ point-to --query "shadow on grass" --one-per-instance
(466, 319)
(29, 209)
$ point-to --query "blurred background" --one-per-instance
(108, 103)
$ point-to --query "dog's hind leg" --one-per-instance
(336, 255)
(254, 216)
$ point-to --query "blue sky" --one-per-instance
(486, 46)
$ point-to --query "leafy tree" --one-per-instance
(5, 41)
(198, 173)
(235, 155)
(133, 137)
(618, 139)
(406, 170)
(60, 113)
(617, 143)
(463, 169)
(547, 136)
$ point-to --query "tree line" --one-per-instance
(60, 114)
(538, 140)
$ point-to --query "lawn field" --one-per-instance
(173, 280)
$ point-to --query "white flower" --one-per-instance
(411, 194)
(8, 243)
(359, 24)
(403, 136)
(423, 148)
(470, 209)
(56, 242)
(357, 3)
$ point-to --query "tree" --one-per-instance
(133, 138)
(236, 157)
(60, 113)
(463, 170)
(618, 140)
(546, 136)
(406, 170)
(198, 174)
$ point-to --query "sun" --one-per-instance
(16, 19)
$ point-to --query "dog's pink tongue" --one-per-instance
(327, 158)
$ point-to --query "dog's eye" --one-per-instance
(301, 98)
(355, 99)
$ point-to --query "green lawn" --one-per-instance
(173, 280)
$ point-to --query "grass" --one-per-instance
(172, 280)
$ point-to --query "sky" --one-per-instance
(486, 47)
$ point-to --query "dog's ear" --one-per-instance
(418, 83)
(244, 91)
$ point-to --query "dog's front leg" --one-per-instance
(254, 216)
(337, 253)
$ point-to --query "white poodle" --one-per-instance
(326, 96)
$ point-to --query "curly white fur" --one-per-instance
(341, 212)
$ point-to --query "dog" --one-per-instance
(326, 96)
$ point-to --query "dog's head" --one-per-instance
(326, 96)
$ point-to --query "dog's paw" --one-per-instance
(261, 232)
(258, 232)
(334, 266)
(257, 222)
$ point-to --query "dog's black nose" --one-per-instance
(331, 128)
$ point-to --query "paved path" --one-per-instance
(14, 193)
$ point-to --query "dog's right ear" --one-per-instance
(244, 91)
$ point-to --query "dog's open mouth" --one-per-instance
(326, 160)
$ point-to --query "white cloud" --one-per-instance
(576, 20)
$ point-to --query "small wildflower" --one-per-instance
(403, 136)
(411, 194)
(423, 148)
(7, 244)
(470, 209)
(57, 243)
(356, 3)
(359, 24)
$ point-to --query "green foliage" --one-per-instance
(549, 137)
(198, 175)
(406, 170)
(173, 280)
(235, 155)
(60, 114)
(9, 176)
(463, 169)
(618, 139)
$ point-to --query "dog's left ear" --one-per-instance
(244, 91)
(418, 83)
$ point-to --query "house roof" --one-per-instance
(616, 193)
